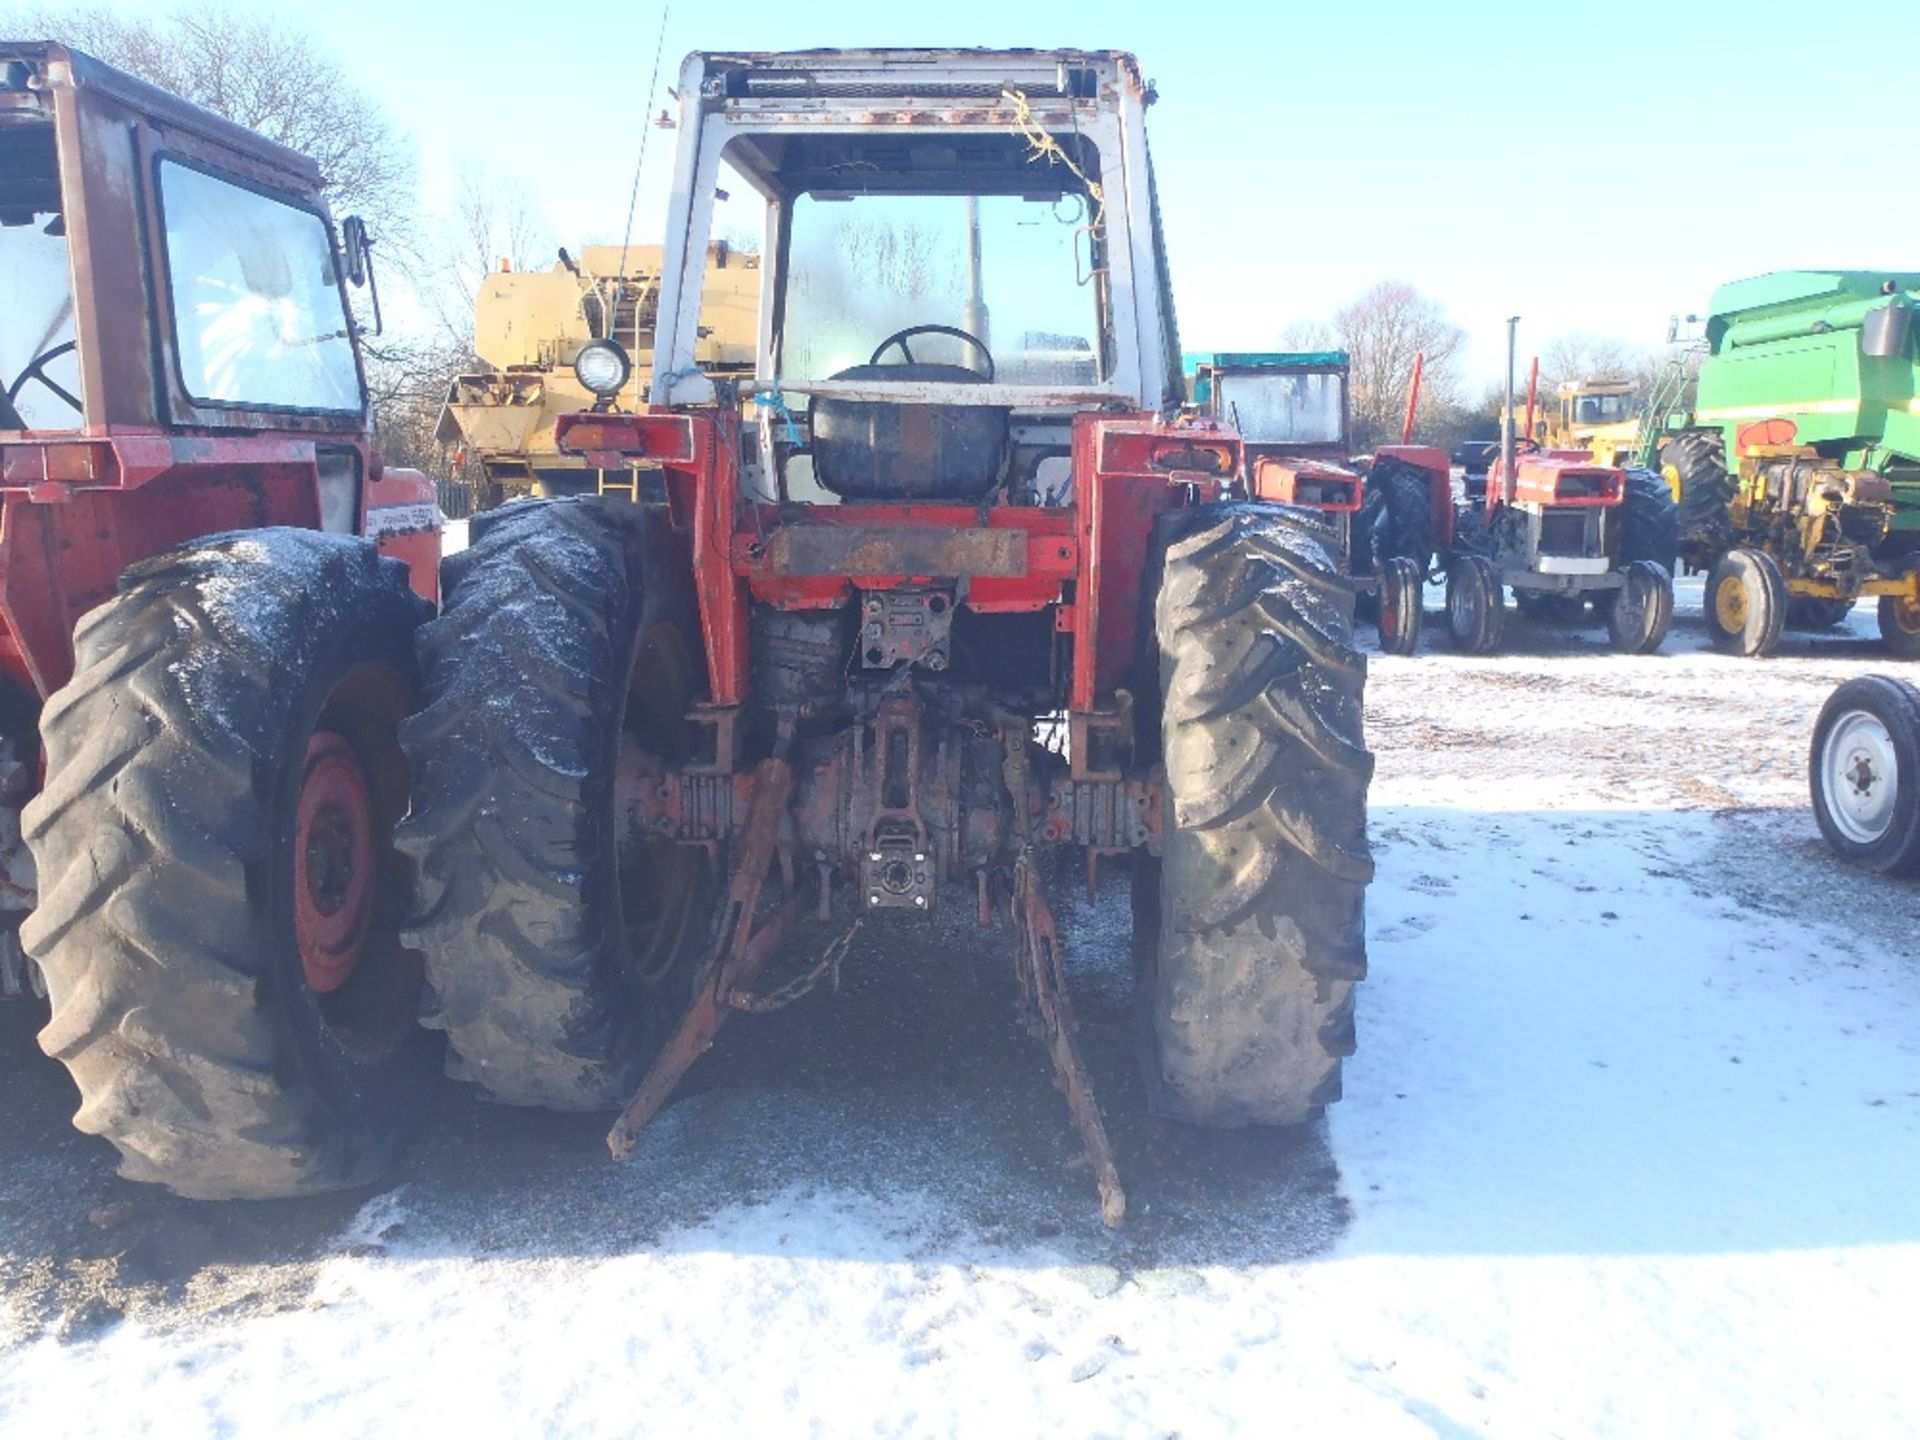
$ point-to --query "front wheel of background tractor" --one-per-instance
(1864, 771)
(1745, 603)
(1476, 605)
(559, 947)
(1249, 931)
(1900, 620)
(1642, 608)
(220, 903)
(1402, 592)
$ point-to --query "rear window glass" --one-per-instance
(257, 310)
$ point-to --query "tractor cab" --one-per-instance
(1290, 409)
(1599, 417)
(952, 268)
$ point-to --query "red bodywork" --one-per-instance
(1087, 559)
(77, 510)
(1316, 484)
(1556, 477)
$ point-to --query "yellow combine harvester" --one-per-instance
(536, 331)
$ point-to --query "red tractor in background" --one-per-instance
(209, 586)
(1291, 411)
(1556, 527)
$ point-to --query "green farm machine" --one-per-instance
(1798, 469)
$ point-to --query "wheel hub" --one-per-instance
(1906, 614)
(1862, 775)
(334, 863)
(1730, 605)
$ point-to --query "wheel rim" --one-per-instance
(1730, 604)
(1906, 615)
(1861, 770)
(335, 868)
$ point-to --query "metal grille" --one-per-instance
(1563, 532)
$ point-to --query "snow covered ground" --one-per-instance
(1631, 1147)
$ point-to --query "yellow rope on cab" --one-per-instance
(1043, 145)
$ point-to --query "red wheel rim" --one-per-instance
(335, 867)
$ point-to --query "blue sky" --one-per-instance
(1590, 167)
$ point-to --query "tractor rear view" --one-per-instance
(208, 591)
(945, 586)
(1799, 470)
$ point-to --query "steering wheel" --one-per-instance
(900, 338)
(37, 370)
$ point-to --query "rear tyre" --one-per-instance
(1400, 606)
(1649, 522)
(1476, 605)
(559, 949)
(1404, 527)
(1900, 621)
(1699, 459)
(220, 903)
(1642, 609)
(1864, 771)
(1249, 932)
(1808, 612)
(1745, 603)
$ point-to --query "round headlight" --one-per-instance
(602, 367)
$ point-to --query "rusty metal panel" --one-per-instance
(895, 550)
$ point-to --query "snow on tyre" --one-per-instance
(559, 947)
(1249, 931)
(220, 901)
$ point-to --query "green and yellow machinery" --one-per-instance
(1798, 469)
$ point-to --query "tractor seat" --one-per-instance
(882, 450)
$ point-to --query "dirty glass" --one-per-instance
(1604, 409)
(861, 268)
(257, 313)
(36, 299)
(1276, 408)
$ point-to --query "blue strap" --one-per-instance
(777, 403)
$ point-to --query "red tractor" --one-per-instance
(209, 586)
(1291, 411)
(948, 585)
(1556, 527)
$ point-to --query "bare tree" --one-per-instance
(1382, 331)
(493, 224)
(1581, 356)
(1308, 335)
(265, 75)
